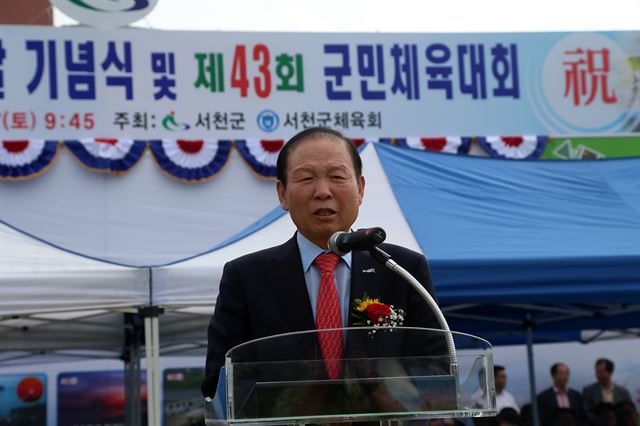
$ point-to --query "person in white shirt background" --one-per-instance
(503, 398)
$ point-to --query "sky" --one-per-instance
(421, 16)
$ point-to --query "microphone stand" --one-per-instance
(385, 259)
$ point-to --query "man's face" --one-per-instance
(561, 378)
(323, 194)
(501, 380)
(602, 374)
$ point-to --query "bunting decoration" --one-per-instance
(199, 160)
(23, 159)
(191, 160)
(261, 155)
(448, 144)
(107, 155)
(526, 147)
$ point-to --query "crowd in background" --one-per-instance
(602, 403)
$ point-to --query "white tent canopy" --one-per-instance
(36, 277)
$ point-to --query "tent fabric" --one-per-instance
(141, 218)
(522, 231)
(37, 277)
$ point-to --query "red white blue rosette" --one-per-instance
(191, 160)
(107, 155)
(525, 147)
(261, 154)
(448, 144)
(22, 159)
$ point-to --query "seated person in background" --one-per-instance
(604, 390)
(564, 417)
(626, 414)
(509, 417)
(486, 421)
(605, 414)
(526, 415)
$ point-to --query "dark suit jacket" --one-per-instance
(592, 397)
(264, 293)
(548, 404)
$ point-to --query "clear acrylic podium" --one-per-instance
(386, 375)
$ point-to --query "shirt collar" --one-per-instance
(560, 391)
(309, 251)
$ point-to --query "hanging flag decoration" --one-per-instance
(191, 160)
(23, 159)
(107, 155)
(448, 144)
(526, 147)
(260, 154)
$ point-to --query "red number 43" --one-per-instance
(239, 79)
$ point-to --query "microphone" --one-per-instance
(342, 242)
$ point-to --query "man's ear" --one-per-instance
(281, 190)
(361, 183)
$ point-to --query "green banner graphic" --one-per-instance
(591, 148)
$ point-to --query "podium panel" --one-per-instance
(385, 374)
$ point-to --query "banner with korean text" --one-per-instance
(63, 83)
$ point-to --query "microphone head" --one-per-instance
(333, 244)
(377, 234)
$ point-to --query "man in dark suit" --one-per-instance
(603, 391)
(280, 289)
(559, 396)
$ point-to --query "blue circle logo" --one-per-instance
(268, 120)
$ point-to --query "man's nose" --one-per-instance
(323, 189)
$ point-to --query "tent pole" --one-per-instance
(152, 342)
(131, 357)
(532, 373)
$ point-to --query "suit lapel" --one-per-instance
(366, 277)
(288, 283)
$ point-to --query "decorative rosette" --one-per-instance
(191, 160)
(107, 155)
(526, 147)
(260, 154)
(368, 312)
(22, 159)
(448, 144)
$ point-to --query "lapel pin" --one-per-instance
(369, 271)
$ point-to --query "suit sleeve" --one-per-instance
(228, 326)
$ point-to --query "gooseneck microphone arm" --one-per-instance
(384, 258)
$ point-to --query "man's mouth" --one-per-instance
(324, 212)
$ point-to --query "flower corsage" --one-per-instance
(368, 312)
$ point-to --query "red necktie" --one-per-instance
(328, 314)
